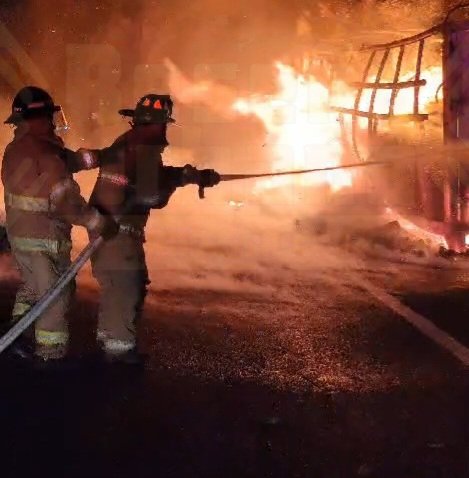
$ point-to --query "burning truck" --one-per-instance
(411, 108)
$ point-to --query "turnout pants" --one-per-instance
(119, 267)
(39, 271)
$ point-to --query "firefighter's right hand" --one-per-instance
(208, 178)
(102, 225)
(204, 178)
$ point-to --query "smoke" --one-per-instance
(216, 97)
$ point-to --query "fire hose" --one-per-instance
(236, 177)
(52, 294)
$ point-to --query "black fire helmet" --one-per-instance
(31, 102)
(151, 109)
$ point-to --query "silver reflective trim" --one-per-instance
(27, 203)
(117, 179)
(131, 231)
(40, 245)
(51, 339)
(115, 346)
(20, 309)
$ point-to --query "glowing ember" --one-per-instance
(236, 204)
(304, 132)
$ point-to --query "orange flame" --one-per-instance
(404, 102)
(303, 132)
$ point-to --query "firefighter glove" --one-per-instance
(208, 178)
(102, 225)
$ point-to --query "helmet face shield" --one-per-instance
(60, 121)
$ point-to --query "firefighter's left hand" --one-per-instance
(208, 178)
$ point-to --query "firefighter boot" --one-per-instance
(53, 358)
(22, 349)
(116, 352)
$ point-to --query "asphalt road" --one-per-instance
(309, 377)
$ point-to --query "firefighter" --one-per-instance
(132, 180)
(42, 202)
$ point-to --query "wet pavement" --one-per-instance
(311, 377)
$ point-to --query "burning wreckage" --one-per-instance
(408, 110)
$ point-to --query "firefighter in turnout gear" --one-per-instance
(132, 180)
(42, 202)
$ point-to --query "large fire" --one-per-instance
(304, 133)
